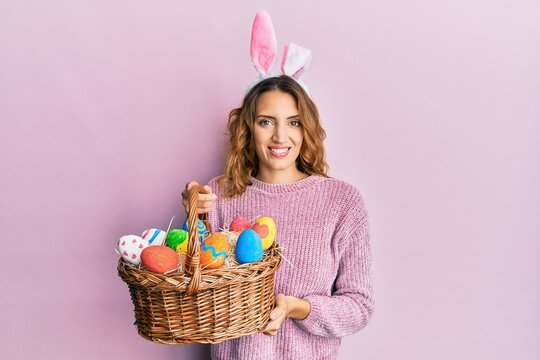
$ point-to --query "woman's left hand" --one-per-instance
(286, 306)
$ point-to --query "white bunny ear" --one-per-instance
(263, 43)
(295, 61)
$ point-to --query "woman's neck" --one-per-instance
(280, 177)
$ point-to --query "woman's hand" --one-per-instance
(205, 201)
(286, 306)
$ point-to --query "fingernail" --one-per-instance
(214, 196)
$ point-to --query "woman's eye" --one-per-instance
(264, 122)
(295, 123)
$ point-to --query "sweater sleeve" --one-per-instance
(213, 214)
(350, 305)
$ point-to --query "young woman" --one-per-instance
(275, 167)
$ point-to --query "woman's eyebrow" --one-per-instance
(271, 117)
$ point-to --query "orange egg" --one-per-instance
(214, 250)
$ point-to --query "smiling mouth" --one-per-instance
(280, 152)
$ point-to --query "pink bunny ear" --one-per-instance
(263, 43)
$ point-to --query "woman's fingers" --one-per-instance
(272, 328)
(205, 201)
(185, 193)
(280, 308)
(206, 198)
(203, 210)
(277, 316)
(191, 184)
(270, 333)
(277, 312)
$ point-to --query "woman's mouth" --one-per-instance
(279, 151)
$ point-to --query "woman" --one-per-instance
(275, 167)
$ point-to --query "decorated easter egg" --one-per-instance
(177, 239)
(160, 258)
(214, 250)
(131, 247)
(249, 247)
(201, 228)
(154, 236)
(239, 224)
(266, 228)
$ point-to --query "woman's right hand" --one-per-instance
(205, 202)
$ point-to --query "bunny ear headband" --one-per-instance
(294, 62)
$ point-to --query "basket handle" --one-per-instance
(193, 263)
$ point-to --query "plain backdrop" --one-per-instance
(432, 110)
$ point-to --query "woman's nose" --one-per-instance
(280, 134)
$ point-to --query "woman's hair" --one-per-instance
(242, 161)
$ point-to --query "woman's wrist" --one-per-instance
(298, 308)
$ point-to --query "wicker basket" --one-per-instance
(202, 306)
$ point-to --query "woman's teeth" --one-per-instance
(279, 151)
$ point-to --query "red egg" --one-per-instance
(239, 224)
(160, 258)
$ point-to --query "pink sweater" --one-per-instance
(322, 226)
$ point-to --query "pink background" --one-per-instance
(432, 110)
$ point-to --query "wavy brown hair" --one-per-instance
(242, 161)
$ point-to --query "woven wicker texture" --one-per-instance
(202, 306)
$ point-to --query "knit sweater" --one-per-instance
(322, 227)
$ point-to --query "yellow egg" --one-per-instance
(182, 248)
(266, 228)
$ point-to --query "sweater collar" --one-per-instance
(285, 188)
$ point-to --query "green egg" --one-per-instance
(177, 240)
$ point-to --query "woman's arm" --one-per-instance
(286, 306)
(350, 306)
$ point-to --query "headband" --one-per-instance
(294, 62)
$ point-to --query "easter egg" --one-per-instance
(214, 250)
(177, 239)
(130, 247)
(249, 247)
(201, 228)
(266, 228)
(239, 224)
(154, 236)
(160, 258)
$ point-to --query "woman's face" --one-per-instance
(278, 134)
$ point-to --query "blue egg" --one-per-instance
(201, 228)
(249, 247)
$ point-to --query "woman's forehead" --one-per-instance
(276, 103)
